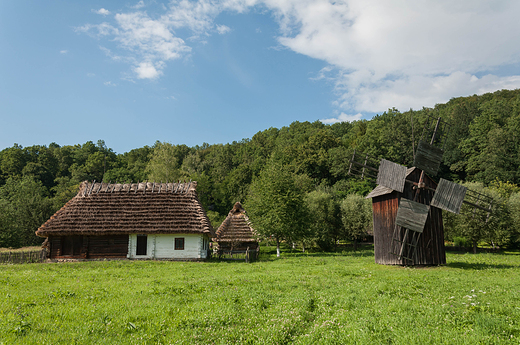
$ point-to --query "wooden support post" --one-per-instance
(403, 244)
(365, 163)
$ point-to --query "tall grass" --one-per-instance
(315, 298)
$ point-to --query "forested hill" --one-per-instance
(483, 146)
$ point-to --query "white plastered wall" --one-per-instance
(162, 247)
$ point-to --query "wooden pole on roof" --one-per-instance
(92, 187)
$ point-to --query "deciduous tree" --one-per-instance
(276, 205)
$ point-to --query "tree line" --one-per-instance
(294, 180)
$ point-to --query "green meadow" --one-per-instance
(311, 298)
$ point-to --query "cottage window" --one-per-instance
(179, 243)
(141, 245)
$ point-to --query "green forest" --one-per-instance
(293, 181)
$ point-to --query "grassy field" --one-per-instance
(317, 298)
(23, 249)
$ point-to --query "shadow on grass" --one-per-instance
(464, 250)
(268, 253)
(479, 266)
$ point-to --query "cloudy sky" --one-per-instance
(190, 72)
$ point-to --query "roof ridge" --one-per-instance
(88, 188)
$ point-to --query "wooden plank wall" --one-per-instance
(384, 210)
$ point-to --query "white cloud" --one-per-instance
(113, 56)
(102, 11)
(343, 118)
(149, 42)
(109, 83)
(146, 70)
(223, 29)
(403, 53)
(150, 38)
(98, 31)
(139, 5)
(381, 54)
(64, 51)
(417, 91)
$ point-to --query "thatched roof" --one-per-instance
(118, 209)
(236, 227)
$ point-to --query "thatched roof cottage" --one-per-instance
(235, 233)
(138, 220)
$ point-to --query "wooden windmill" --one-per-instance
(418, 200)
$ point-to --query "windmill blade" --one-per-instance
(479, 201)
(429, 155)
(391, 175)
(412, 215)
(386, 173)
(363, 165)
(436, 131)
(428, 158)
(449, 196)
(404, 244)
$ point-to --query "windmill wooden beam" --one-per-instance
(367, 163)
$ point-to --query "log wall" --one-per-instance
(88, 247)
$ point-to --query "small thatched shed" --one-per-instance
(138, 220)
(235, 233)
(385, 201)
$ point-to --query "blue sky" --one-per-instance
(189, 72)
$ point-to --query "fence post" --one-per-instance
(247, 255)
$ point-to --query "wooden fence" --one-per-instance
(239, 255)
(23, 257)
